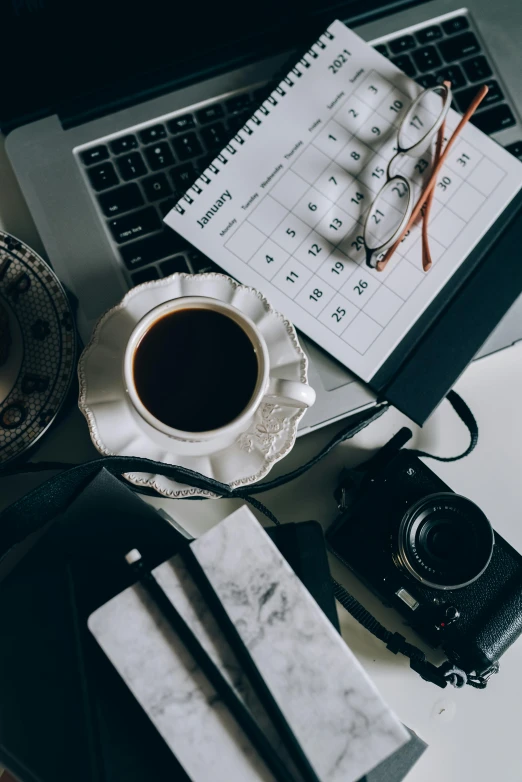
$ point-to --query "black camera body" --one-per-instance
(434, 557)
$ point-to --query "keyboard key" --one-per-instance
(237, 121)
(427, 80)
(427, 59)
(464, 97)
(215, 136)
(156, 187)
(135, 225)
(495, 94)
(167, 205)
(131, 166)
(123, 144)
(477, 69)
(382, 49)
(94, 155)
(103, 176)
(452, 73)
(493, 120)
(187, 146)
(181, 124)
(152, 134)
(459, 47)
(240, 103)
(159, 156)
(121, 199)
(402, 44)
(145, 275)
(200, 264)
(154, 248)
(404, 62)
(174, 265)
(183, 176)
(515, 149)
(455, 25)
(210, 113)
(429, 34)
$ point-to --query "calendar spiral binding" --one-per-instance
(273, 99)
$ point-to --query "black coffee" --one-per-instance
(195, 370)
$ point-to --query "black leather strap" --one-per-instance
(394, 641)
(468, 419)
(40, 506)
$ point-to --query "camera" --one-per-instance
(433, 556)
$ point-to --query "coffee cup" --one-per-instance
(198, 369)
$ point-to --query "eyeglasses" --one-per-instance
(392, 212)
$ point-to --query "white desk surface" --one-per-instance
(473, 736)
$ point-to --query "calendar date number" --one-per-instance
(444, 183)
(358, 243)
(339, 314)
(340, 60)
(360, 287)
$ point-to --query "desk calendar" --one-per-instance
(282, 207)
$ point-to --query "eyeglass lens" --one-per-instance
(387, 213)
(422, 119)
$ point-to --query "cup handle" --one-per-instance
(290, 392)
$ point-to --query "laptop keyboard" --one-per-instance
(452, 51)
(138, 177)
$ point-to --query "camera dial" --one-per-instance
(444, 541)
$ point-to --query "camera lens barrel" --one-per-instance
(444, 541)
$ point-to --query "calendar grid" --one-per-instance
(282, 234)
(288, 211)
(326, 291)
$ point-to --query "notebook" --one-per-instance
(282, 206)
(333, 708)
(69, 689)
(104, 735)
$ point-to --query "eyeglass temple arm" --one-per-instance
(426, 253)
(475, 103)
(427, 262)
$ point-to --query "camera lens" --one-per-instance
(444, 541)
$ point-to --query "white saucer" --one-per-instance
(117, 429)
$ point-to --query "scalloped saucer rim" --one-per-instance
(266, 441)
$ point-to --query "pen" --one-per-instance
(228, 628)
(214, 676)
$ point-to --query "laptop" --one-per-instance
(112, 110)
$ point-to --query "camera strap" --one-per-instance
(40, 506)
(442, 675)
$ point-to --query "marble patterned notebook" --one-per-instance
(333, 708)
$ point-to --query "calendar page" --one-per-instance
(282, 208)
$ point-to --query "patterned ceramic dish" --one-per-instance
(117, 429)
(38, 348)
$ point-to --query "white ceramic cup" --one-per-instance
(283, 392)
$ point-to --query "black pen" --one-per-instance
(248, 665)
(238, 710)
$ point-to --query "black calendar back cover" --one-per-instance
(423, 368)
